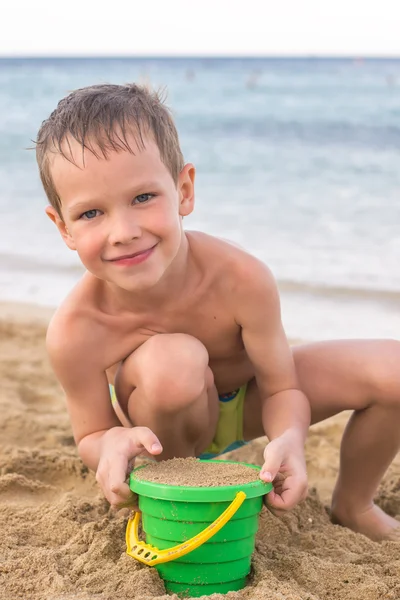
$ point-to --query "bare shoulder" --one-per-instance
(72, 332)
(241, 271)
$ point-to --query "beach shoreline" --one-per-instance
(61, 541)
(25, 312)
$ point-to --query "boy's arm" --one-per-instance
(103, 444)
(285, 409)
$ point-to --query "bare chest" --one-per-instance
(211, 323)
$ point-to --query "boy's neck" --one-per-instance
(170, 287)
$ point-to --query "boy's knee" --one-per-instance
(171, 370)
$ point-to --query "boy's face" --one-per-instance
(122, 215)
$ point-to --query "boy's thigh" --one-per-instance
(335, 376)
(344, 375)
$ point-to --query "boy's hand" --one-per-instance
(285, 467)
(119, 447)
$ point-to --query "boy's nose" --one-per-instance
(123, 230)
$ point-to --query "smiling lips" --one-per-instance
(133, 259)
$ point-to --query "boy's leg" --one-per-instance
(363, 376)
(167, 385)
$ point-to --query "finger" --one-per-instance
(281, 502)
(143, 437)
(274, 511)
(117, 490)
(132, 502)
(113, 468)
(288, 497)
(273, 458)
(111, 476)
(119, 495)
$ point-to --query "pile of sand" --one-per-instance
(193, 472)
(61, 541)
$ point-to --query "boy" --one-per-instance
(186, 327)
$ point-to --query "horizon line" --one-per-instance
(308, 56)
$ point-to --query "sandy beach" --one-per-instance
(61, 541)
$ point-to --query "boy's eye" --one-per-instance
(143, 198)
(89, 214)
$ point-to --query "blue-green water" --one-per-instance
(297, 160)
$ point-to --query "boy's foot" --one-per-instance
(373, 523)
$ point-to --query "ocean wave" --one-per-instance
(21, 264)
(24, 264)
(340, 291)
(327, 133)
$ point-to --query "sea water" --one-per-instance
(298, 160)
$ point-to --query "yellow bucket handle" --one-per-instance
(150, 555)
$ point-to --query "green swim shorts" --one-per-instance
(229, 434)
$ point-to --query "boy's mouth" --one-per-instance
(134, 258)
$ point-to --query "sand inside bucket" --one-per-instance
(195, 473)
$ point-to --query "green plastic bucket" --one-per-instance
(172, 515)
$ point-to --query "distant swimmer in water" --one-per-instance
(253, 78)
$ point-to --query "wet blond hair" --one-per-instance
(99, 118)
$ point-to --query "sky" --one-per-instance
(200, 27)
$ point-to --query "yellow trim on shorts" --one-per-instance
(113, 394)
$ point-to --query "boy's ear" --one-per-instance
(186, 189)
(62, 228)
